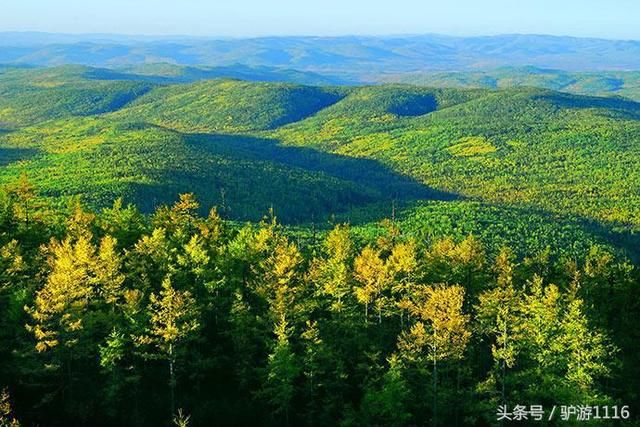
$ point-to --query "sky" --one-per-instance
(613, 19)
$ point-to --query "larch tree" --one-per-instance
(402, 266)
(332, 273)
(498, 314)
(6, 414)
(441, 330)
(60, 306)
(282, 371)
(566, 353)
(25, 195)
(64, 313)
(173, 321)
(372, 278)
(108, 272)
(281, 279)
(125, 223)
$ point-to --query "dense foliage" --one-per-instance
(504, 273)
(603, 83)
(114, 318)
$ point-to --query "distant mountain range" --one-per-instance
(349, 58)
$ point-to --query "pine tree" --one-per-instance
(388, 403)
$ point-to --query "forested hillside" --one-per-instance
(603, 83)
(176, 249)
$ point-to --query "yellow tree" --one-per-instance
(181, 220)
(332, 273)
(371, 274)
(173, 320)
(441, 329)
(498, 313)
(6, 417)
(401, 268)
(60, 305)
(80, 222)
(451, 262)
(108, 271)
(280, 282)
(62, 314)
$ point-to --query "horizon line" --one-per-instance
(308, 36)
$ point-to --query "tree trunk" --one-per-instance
(172, 381)
(435, 379)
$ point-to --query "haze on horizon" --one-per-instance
(253, 18)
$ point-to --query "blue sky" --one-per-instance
(618, 19)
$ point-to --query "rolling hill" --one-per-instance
(28, 96)
(311, 152)
(376, 216)
(603, 83)
(230, 106)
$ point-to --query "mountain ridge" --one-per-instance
(342, 54)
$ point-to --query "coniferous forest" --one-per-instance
(113, 317)
(182, 249)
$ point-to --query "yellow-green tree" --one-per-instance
(25, 194)
(498, 314)
(173, 321)
(441, 331)
(60, 305)
(371, 275)
(402, 267)
(332, 273)
(108, 271)
(6, 417)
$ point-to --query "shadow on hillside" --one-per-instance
(12, 155)
(365, 172)
(618, 235)
(566, 100)
(414, 105)
(301, 184)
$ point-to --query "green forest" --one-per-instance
(234, 252)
